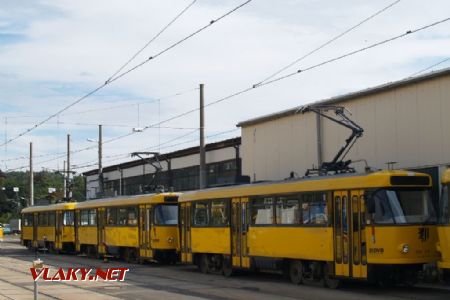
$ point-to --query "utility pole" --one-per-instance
(31, 176)
(64, 180)
(100, 154)
(202, 140)
(68, 192)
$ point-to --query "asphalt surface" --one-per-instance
(154, 281)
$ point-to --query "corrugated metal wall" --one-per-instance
(409, 125)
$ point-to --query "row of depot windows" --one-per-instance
(122, 216)
(300, 209)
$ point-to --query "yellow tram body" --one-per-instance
(325, 227)
(50, 226)
(443, 228)
(129, 227)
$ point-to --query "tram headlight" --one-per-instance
(405, 248)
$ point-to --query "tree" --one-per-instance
(11, 202)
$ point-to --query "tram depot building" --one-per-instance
(406, 122)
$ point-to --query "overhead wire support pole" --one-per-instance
(31, 176)
(68, 192)
(100, 154)
(202, 174)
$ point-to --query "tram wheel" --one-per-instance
(203, 264)
(296, 271)
(227, 268)
(328, 280)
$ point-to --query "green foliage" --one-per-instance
(11, 202)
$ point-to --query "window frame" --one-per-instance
(72, 212)
(116, 210)
(300, 198)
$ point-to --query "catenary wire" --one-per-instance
(430, 67)
(290, 75)
(152, 40)
(329, 41)
(109, 81)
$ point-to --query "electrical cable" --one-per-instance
(109, 81)
(151, 40)
(329, 41)
(430, 67)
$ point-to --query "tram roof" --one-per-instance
(319, 183)
(52, 207)
(127, 200)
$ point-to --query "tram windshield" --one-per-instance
(166, 214)
(403, 207)
(445, 201)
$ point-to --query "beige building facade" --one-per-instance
(407, 122)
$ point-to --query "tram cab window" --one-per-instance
(396, 206)
(28, 220)
(287, 210)
(262, 211)
(201, 217)
(166, 214)
(68, 218)
(314, 209)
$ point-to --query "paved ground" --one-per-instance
(154, 281)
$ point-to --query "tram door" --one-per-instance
(185, 232)
(35, 227)
(76, 223)
(145, 226)
(349, 234)
(358, 235)
(101, 213)
(58, 229)
(239, 228)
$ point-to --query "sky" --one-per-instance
(54, 52)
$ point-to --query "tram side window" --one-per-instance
(314, 209)
(122, 216)
(84, 217)
(262, 211)
(201, 216)
(68, 218)
(111, 216)
(92, 217)
(219, 213)
(51, 219)
(43, 219)
(287, 210)
(132, 216)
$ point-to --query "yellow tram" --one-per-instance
(444, 228)
(140, 227)
(378, 226)
(50, 226)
